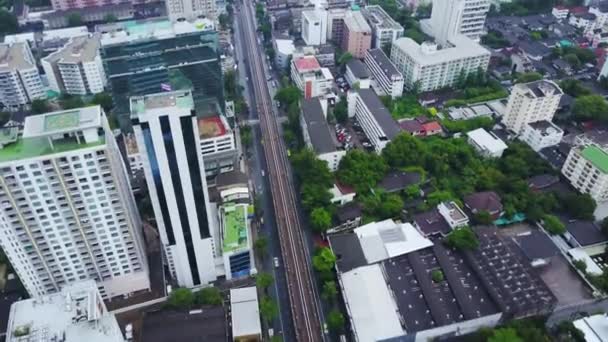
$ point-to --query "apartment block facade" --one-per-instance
(586, 168)
(190, 9)
(357, 34)
(20, 81)
(385, 29)
(453, 17)
(531, 102)
(386, 79)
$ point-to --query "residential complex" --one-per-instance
(75, 314)
(314, 30)
(586, 168)
(309, 77)
(76, 69)
(168, 138)
(454, 17)
(317, 134)
(357, 35)
(541, 134)
(190, 9)
(385, 29)
(21, 83)
(430, 67)
(68, 211)
(531, 102)
(386, 79)
(375, 120)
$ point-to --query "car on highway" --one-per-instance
(276, 262)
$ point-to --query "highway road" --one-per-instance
(303, 296)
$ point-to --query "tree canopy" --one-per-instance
(591, 107)
(8, 22)
(324, 260)
(361, 170)
(320, 219)
(553, 224)
(462, 238)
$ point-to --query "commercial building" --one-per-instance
(284, 51)
(314, 26)
(218, 145)
(384, 28)
(357, 35)
(310, 78)
(357, 74)
(433, 68)
(586, 168)
(21, 80)
(455, 17)
(190, 9)
(531, 102)
(76, 314)
(63, 5)
(76, 69)
(594, 328)
(486, 143)
(168, 137)
(386, 79)
(375, 120)
(541, 134)
(335, 24)
(68, 211)
(317, 134)
(237, 245)
(585, 21)
(150, 56)
(245, 311)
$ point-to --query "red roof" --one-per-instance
(578, 10)
(307, 63)
(345, 189)
(431, 126)
(561, 7)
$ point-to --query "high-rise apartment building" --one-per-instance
(190, 9)
(531, 102)
(357, 35)
(20, 81)
(168, 137)
(452, 17)
(76, 69)
(385, 29)
(430, 67)
(314, 26)
(67, 210)
(309, 77)
(586, 168)
(386, 79)
(64, 5)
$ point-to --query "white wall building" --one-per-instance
(168, 137)
(531, 102)
(594, 328)
(237, 245)
(76, 314)
(541, 134)
(314, 27)
(68, 213)
(600, 9)
(218, 146)
(317, 134)
(136, 165)
(560, 12)
(433, 68)
(21, 82)
(376, 121)
(284, 50)
(487, 144)
(76, 69)
(453, 17)
(190, 9)
(310, 78)
(452, 214)
(357, 74)
(385, 29)
(246, 325)
(585, 21)
(587, 170)
(386, 79)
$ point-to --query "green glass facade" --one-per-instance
(148, 66)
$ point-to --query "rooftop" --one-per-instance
(78, 49)
(546, 127)
(376, 16)
(536, 245)
(358, 69)
(597, 157)
(133, 30)
(487, 141)
(245, 312)
(212, 127)
(75, 314)
(586, 233)
(209, 324)
(463, 47)
(399, 180)
(594, 328)
(541, 88)
(388, 68)
(236, 234)
(348, 251)
(348, 211)
(176, 99)
(484, 201)
(14, 56)
(432, 222)
(321, 137)
(307, 63)
(389, 127)
(355, 22)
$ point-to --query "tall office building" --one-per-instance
(451, 17)
(67, 211)
(357, 35)
(150, 56)
(385, 29)
(190, 9)
(21, 82)
(531, 102)
(167, 133)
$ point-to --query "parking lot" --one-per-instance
(350, 135)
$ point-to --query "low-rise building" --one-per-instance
(586, 168)
(385, 29)
(594, 328)
(342, 194)
(375, 120)
(357, 74)
(486, 143)
(584, 21)
(485, 201)
(348, 217)
(428, 67)
(237, 250)
(452, 214)
(541, 134)
(245, 311)
(218, 145)
(284, 51)
(386, 79)
(310, 78)
(357, 35)
(75, 314)
(317, 134)
(21, 80)
(560, 12)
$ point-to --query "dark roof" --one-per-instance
(347, 249)
(411, 126)
(347, 212)
(380, 113)
(231, 178)
(536, 245)
(586, 233)
(534, 48)
(484, 201)
(358, 68)
(542, 181)
(431, 222)
(554, 156)
(210, 325)
(320, 135)
(399, 180)
(542, 125)
(385, 64)
(561, 64)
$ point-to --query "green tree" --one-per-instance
(483, 217)
(8, 22)
(391, 206)
(268, 309)
(604, 226)
(4, 118)
(263, 280)
(40, 106)
(462, 238)
(361, 169)
(414, 34)
(324, 260)
(590, 107)
(341, 110)
(320, 220)
(573, 60)
(104, 100)
(330, 291)
(573, 87)
(181, 298)
(110, 18)
(553, 224)
(335, 321)
(71, 102)
(505, 335)
(246, 135)
(288, 95)
(74, 19)
(566, 331)
(528, 77)
(405, 150)
(209, 296)
(579, 206)
(345, 58)
(437, 276)
(224, 21)
(261, 246)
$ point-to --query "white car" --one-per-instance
(276, 262)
